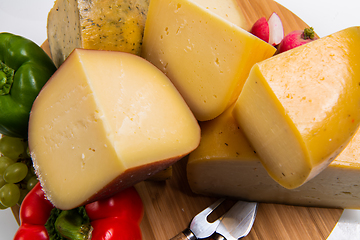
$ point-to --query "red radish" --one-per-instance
(271, 30)
(276, 29)
(261, 29)
(296, 38)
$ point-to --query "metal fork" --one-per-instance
(199, 226)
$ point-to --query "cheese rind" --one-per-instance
(207, 57)
(103, 122)
(300, 108)
(225, 164)
(99, 24)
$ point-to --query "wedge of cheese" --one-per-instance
(201, 46)
(97, 24)
(300, 108)
(105, 121)
(225, 164)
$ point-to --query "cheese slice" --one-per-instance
(300, 108)
(225, 164)
(203, 51)
(97, 24)
(105, 121)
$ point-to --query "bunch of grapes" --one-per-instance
(17, 176)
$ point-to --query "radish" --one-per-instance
(276, 29)
(271, 30)
(261, 29)
(296, 38)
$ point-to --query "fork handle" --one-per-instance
(187, 234)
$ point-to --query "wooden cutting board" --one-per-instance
(170, 205)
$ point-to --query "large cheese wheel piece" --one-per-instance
(97, 24)
(225, 164)
(202, 47)
(300, 108)
(103, 122)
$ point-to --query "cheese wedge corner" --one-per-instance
(202, 47)
(103, 122)
(299, 109)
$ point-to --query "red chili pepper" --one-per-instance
(117, 217)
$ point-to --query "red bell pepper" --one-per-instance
(117, 217)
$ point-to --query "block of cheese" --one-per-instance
(225, 164)
(203, 51)
(97, 24)
(300, 108)
(105, 121)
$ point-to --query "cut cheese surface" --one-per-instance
(228, 10)
(99, 24)
(205, 54)
(300, 108)
(105, 121)
(225, 164)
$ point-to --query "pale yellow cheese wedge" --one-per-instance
(98, 24)
(103, 122)
(201, 46)
(300, 108)
(225, 164)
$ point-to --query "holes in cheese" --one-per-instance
(105, 121)
(299, 109)
(205, 55)
(225, 164)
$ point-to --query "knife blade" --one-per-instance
(348, 226)
(237, 222)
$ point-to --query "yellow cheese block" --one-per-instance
(300, 108)
(202, 48)
(225, 164)
(103, 122)
(97, 24)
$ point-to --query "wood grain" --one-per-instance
(170, 205)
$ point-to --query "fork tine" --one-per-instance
(206, 212)
(200, 223)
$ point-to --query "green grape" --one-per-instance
(2, 181)
(9, 194)
(5, 162)
(25, 153)
(2, 206)
(31, 183)
(15, 172)
(12, 147)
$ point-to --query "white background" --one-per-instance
(28, 19)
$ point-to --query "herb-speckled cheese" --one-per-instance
(99, 24)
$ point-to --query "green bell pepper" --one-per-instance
(24, 69)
